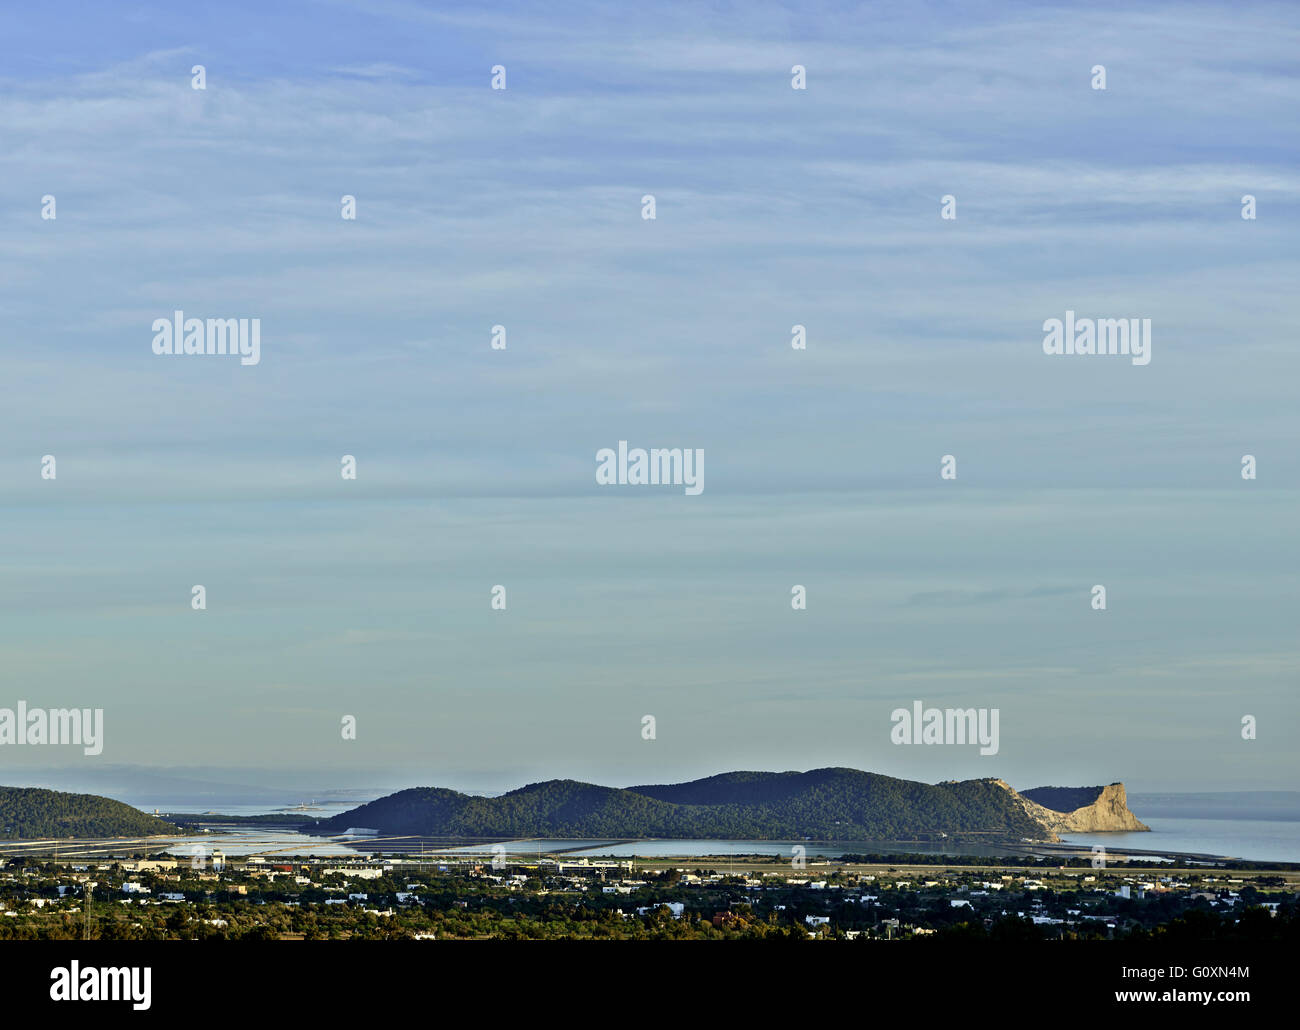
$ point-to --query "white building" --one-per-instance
(355, 872)
(677, 908)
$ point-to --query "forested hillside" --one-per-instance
(27, 812)
(824, 804)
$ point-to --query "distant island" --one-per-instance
(27, 812)
(822, 804)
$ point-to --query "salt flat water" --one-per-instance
(1250, 839)
(785, 848)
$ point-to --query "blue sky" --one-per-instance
(476, 467)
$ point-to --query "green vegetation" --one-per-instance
(34, 812)
(1062, 799)
(824, 804)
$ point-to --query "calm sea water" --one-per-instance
(1263, 840)
(320, 810)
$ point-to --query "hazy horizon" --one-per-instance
(291, 787)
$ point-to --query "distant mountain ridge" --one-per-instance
(821, 804)
(28, 812)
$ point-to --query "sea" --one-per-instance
(1261, 826)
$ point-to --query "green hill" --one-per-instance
(823, 804)
(1062, 799)
(30, 812)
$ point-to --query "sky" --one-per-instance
(774, 207)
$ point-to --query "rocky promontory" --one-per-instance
(1082, 809)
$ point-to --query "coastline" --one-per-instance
(270, 840)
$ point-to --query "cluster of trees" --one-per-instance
(555, 918)
(35, 812)
(826, 804)
(1195, 926)
(569, 923)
